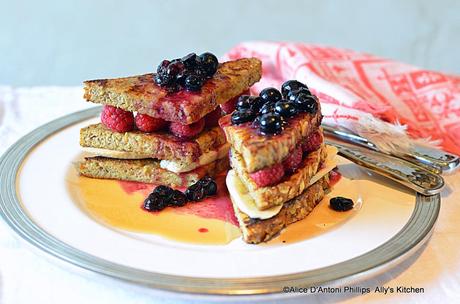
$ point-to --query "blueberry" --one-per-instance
(198, 71)
(341, 203)
(267, 108)
(256, 103)
(286, 108)
(178, 199)
(162, 79)
(193, 83)
(256, 122)
(209, 185)
(209, 64)
(270, 95)
(180, 78)
(290, 86)
(243, 102)
(189, 61)
(307, 103)
(292, 95)
(242, 116)
(163, 191)
(195, 192)
(162, 66)
(270, 123)
(247, 101)
(154, 202)
(175, 68)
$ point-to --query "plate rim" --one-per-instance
(414, 233)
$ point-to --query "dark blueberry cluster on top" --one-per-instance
(164, 196)
(189, 72)
(271, 110)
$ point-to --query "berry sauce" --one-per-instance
(217, 207)
(119, 204)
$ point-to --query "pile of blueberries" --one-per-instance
(271, 110)
(164, 196)
(189, 72)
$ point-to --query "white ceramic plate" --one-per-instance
(386, 225)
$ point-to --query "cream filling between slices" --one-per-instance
(173, 166)
(114, 153)
(244, 201)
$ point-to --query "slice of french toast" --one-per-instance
(146, 171)
(259, 151)
(288, 188)
(159, 145)
(141, 94)
(261, 230)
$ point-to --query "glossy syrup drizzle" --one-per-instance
(119, 204)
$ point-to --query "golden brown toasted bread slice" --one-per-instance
(257, 230)
(160, 145)
(146, 171)
(288, 188)
(260, 151)
(141, 94)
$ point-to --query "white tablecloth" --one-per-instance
(27, 276)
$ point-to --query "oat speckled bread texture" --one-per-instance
(146, 171)
(257, 231)
(260, 151)
(288, 188)
(141, 94)
(161, 145)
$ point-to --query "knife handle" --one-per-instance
(427, 155)
(431, 159)
(399, 170)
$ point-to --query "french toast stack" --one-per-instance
(155, 131)
(280, 164)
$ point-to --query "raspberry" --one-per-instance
(186, 131)
(334, 177)
(312, 143)
(212, 119)
(268, 176)
(147, 123)
(117, 119)
(292, 162)
(230, 105)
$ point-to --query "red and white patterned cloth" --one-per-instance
(350, 83)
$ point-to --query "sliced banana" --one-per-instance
(245, 202)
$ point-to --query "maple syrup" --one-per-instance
(212, 221)
(119, 204)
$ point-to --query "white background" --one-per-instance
(50, 42)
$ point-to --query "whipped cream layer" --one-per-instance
(114, 153)
(244, 201)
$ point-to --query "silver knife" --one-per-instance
(399, 170)
(434, 160)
